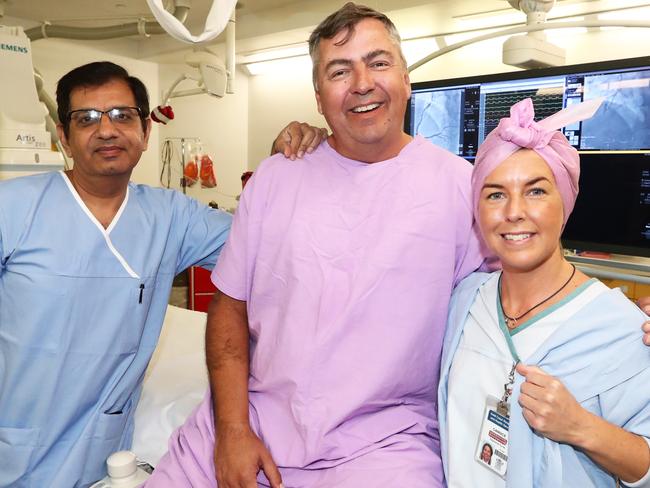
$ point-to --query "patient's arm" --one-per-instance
(298, 138)
(238, 453)
(551, 410)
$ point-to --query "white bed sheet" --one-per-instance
(175, 382)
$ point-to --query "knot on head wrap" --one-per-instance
(521, 131)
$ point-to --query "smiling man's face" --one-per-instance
(105, 149)
(363, 88)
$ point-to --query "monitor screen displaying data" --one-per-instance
(613, 209)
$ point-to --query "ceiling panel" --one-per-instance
(79, 13)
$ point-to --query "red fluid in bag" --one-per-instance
(207, 172)
(191, 173)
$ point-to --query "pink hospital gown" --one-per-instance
(347, 269)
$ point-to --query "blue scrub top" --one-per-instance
(81, 308)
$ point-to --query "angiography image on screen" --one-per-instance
(623, 121)
(437, 117)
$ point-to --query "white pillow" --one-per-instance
(174, 384)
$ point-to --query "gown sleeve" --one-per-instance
(233, 273)
(628, 405)
(645, 481)
(471, 254)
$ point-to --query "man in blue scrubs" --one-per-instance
(87, 261)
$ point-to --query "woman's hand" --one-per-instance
(549, 408)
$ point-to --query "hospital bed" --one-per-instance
(175, 382)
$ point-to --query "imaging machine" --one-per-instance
(25, 143)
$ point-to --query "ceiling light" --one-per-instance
(464, 36)
(416, 49)
(282, 66)
(485, 20)
(641, 13)
(275, 53)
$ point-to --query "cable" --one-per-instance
(167, 154)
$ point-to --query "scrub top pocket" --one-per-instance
(105, 440)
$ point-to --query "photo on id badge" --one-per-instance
(492, 446)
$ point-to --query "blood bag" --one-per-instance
(207, 172)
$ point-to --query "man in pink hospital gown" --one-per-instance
(324, 341)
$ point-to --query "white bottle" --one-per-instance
(123, 472)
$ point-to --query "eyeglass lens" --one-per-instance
(124, 116)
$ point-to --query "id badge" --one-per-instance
(492, 447)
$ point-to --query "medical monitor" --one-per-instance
(612, 213)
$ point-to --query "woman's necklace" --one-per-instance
(511, 322)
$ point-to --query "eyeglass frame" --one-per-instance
(106, 112)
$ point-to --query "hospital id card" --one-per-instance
(492, 447)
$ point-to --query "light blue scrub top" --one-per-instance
(602, 361)
(80, 314)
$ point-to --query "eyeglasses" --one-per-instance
(121, 116)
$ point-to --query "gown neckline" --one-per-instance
(104, 231)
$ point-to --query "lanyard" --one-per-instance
(504, 328)
(504, 404)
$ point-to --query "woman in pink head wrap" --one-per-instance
(541, 362)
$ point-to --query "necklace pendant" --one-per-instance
(511, 323)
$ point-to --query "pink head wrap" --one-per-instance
(521, 131)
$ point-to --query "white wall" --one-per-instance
(274, 101)
(55, 57)
(222, 126)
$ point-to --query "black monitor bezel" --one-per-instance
(638, 62)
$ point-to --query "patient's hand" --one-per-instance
(239, 455)
(549, 408)
(297, 138)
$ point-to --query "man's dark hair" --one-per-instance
(346, 18)
(94, 75)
